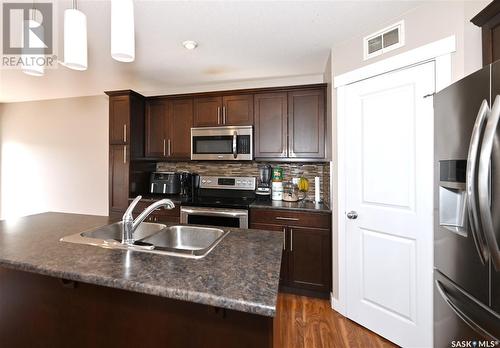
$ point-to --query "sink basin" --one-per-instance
(180, 240)
(186, 239)
(114, 231)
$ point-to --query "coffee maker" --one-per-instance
(263, 190)
(190, 182)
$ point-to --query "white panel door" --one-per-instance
(389, 183)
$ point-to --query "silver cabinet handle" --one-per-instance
(218, 115)
(286, 218)
(223, 115)
(284, 238)
(169, 152)
(291, 239)
(125, 154)
(152, 187)
(164, 151)
(471, 181)
(124, 132)
(484, 183)
(352, 215)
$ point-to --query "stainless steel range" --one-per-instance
(220, 201)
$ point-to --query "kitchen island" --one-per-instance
(61, 294)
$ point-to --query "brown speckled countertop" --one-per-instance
(241, 272)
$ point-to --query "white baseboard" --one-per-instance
(337, 305)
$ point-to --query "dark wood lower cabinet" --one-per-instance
(307, 253)
(310, 258)
(42, 311)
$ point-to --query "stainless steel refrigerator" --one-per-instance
(467, 219)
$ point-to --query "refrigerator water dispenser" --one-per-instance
(453, 196)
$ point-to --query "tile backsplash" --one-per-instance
(290, 170)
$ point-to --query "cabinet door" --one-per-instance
(156, 124)
(180, 123)
(284, 258)
(306, 124)
(119, 120)
(270, 110)
(207, 111)
(310, 258)
(237, 110)
(119, 161)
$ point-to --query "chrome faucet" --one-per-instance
(130, 225)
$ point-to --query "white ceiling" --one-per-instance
(238, 40)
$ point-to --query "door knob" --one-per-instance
(352, 215)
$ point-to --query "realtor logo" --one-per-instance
(27, 28)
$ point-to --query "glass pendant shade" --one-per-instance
(122, 30)
(34, 63)
(75, 39)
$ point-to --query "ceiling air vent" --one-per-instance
(383, 41)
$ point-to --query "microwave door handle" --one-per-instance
(235, 150)
(471, 182)
(484, 183)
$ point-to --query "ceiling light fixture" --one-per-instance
(75, 39)
(33, 63)
(122, 30)
(190, 45)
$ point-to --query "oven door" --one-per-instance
(214, 217)
(221, 143)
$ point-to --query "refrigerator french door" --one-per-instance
(467, 197)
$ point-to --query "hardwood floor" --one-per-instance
(303, 322)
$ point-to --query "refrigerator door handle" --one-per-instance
(471, 181)
(455, 308)
(484, 183)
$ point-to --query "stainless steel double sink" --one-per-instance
(178, 240)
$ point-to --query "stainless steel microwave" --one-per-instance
(222, 143)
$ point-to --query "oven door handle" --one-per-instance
(206, 212)
(235, 150)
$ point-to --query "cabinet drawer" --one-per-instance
(288, 217)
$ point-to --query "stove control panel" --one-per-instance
(228, 182)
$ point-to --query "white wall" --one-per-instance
(429, 22)
(54, 156)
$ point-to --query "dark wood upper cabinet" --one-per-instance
(156, 129)
(230, 110)
(306, 124)
(489, 21)
(270, 125)
(310, 258)
(181, 121)
(290, 125)
(207, 111)
(119, 120)
(237, 110)
(168, 128)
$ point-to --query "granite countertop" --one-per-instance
(240, 273)
(301, 205)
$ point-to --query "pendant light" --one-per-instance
(33, 64)
(122, 30)
(75, 39)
